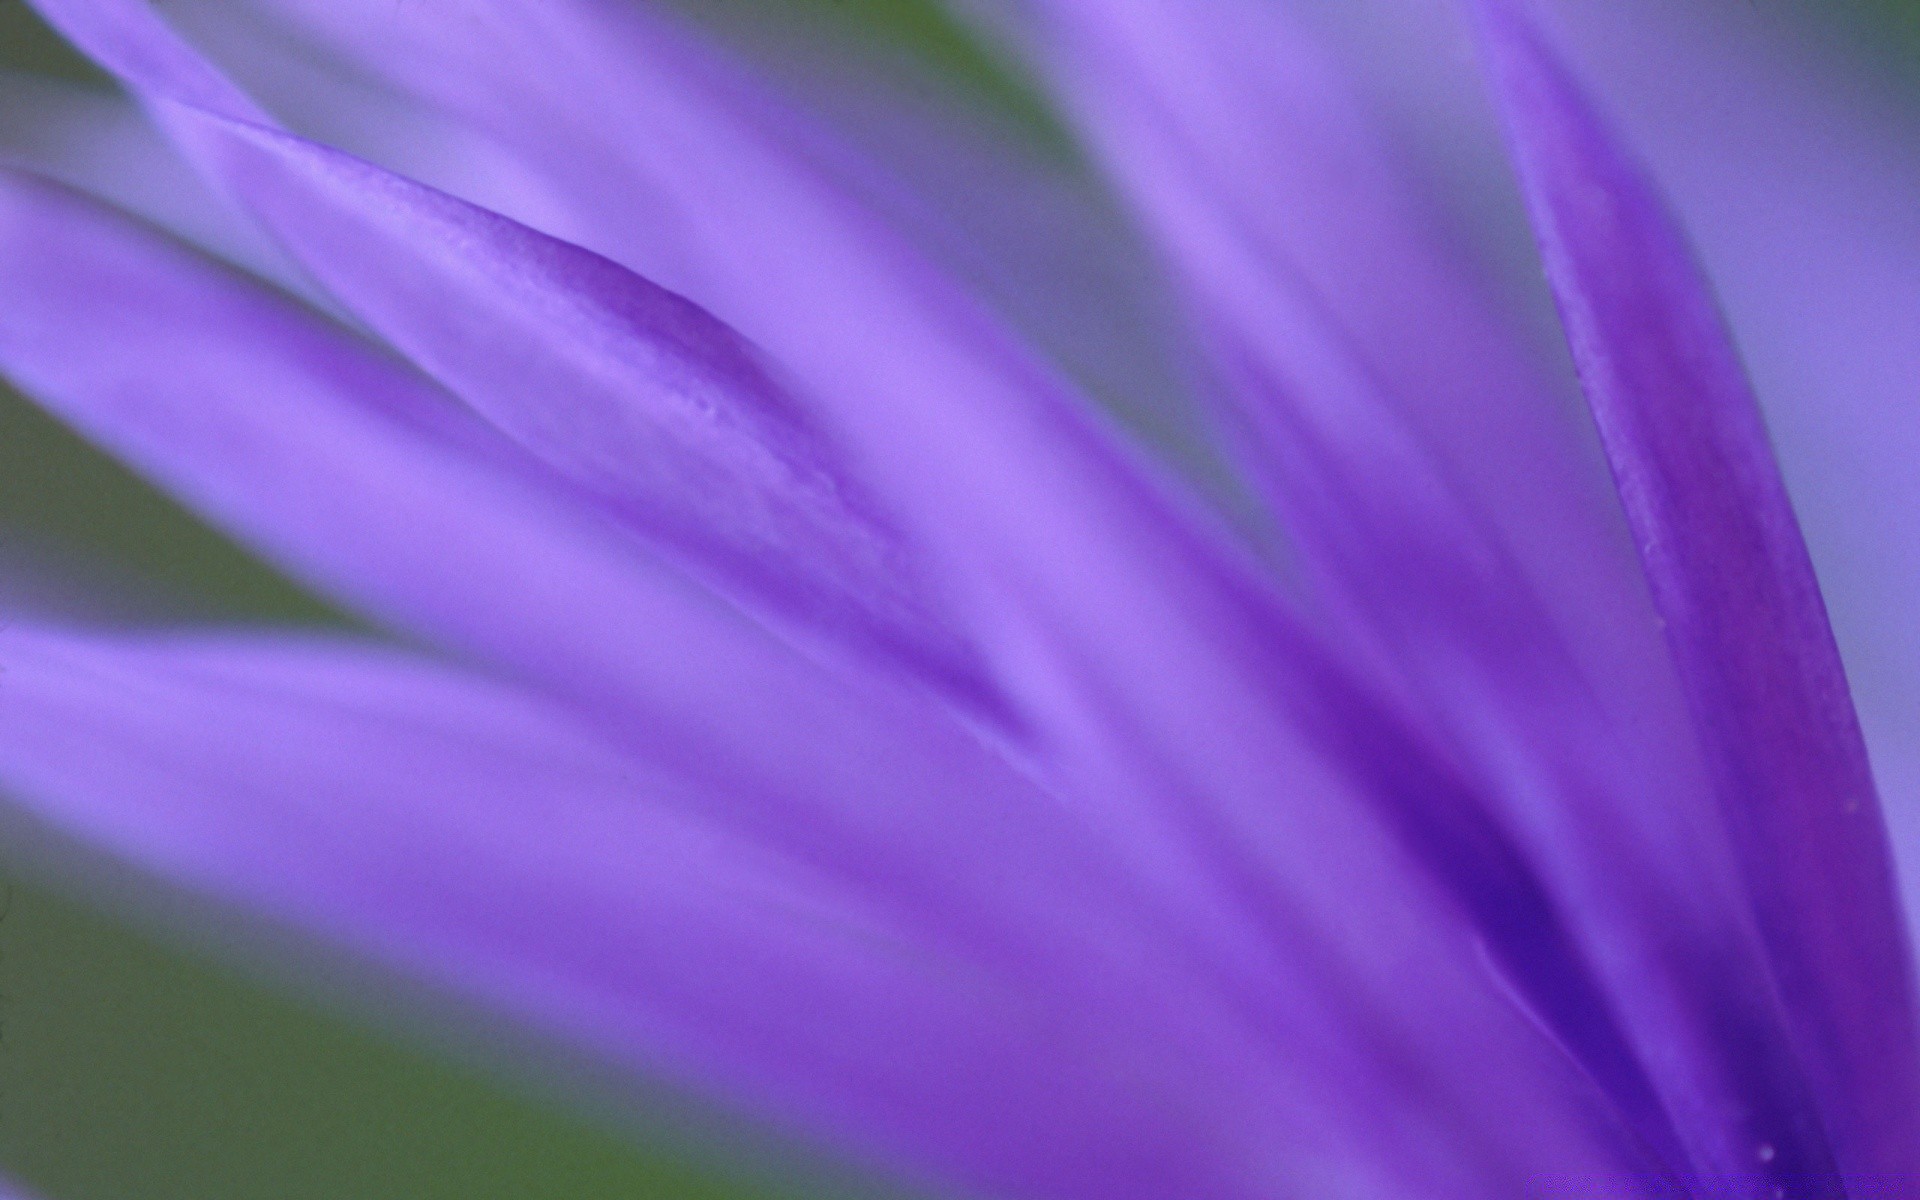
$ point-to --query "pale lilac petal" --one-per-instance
(1326, 860)
(454, 828)
(1391, 415)
(105, 145)
(1311, 246)
(458, 829)
(1016, 214)
(1745, 621)
(640, 396)
(357, 475)
(987, 458)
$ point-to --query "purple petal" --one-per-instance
(334, 478)
(638, 395)
(1310, 247)
(1795, 169)
(1391, 413)
(359, 476)
(1014, 215)
(458, 829)
(1328, 865)
(455, 828)
(104, 145)
(1732, 579)
(987, 459)
(1177, 694)
(356, 474)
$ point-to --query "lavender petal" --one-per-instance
(633, 392)
(466, 833)
(1732, 579)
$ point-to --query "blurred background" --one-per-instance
(142, 1056)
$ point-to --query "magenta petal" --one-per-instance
(1732, 579)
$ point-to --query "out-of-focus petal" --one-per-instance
(1731, 577)
(356, 474)
(1179, 702)
(638, 395)
(986, 457)
(995, 194)
(104, 145)
(1436, 497)
(1178, 699)
(359, 475)
(1793, 167)
(1310, 248)
(460, 830)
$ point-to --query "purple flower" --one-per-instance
(798, 694)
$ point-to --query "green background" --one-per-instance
(143, 1057)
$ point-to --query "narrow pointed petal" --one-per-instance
(106, 146)
(638, 395)
(457, 829)
(360, 477)
(985, 457)
(994, 193)
(1180, 699)
(1732, 578)
(1433, 498)
(1796, 170)
(1314, 257)
(1329, 867)
(460, 830)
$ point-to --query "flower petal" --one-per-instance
(1731, 576)
(1179, 696)
(638, 395)
(1255, 783)
(358, 475)
(104, 145)
(457, 829)
(1315, 258)
(351, 472)
(1795, 169)
(1398, 426)
(985, 457)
